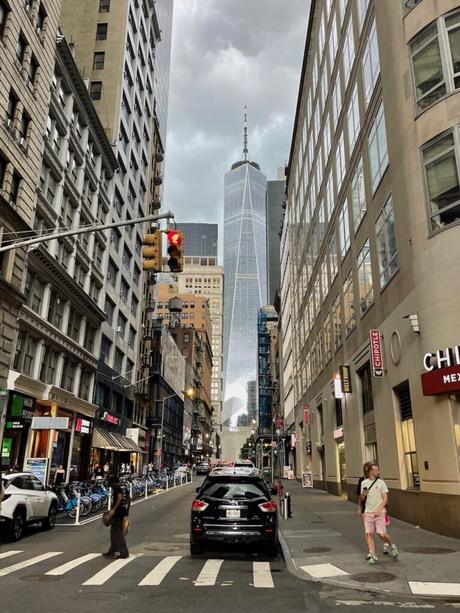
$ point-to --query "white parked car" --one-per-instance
(26, 501)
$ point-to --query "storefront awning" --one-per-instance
(115, 442)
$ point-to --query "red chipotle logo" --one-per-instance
(376, 353)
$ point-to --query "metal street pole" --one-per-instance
(160, 455)
(84, 230)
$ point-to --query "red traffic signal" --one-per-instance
(175, 250)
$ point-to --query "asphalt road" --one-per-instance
(34, 578)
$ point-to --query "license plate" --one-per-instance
(233, 513)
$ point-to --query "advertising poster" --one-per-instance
(307, 479)
(38, 467)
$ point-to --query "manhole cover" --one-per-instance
(41, 578)
(373, 577)
(429, 550)
(317, 549)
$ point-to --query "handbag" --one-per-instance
(107, 519)
(363, 498)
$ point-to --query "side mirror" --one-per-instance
(198, 490)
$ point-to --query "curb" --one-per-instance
(351, 585)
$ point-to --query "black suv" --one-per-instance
(234, 505)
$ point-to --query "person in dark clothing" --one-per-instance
(59, 477)
(118, 514)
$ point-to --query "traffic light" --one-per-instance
(175, 250)
(151, 251)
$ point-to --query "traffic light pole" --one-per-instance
(84, 230)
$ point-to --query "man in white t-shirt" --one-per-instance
(375, 493)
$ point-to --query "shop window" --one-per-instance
(435, 53)
(367, 399)
(386, 243)
(441, 158)
(403, 395)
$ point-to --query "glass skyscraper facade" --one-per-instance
(245, 287)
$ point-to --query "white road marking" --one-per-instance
(7, 554)
(429, 588)
(320, 571)
(262, 575)
(383, 603)
(156, 576)
(20, 565)
(209, 572)
(109, 571)
(64, 568)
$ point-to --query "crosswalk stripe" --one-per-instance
(64, 568)
(106, 573)
(7, 554)
(156, 576)
(262, 574)
(20, 565)
(321, 571)
(209, 572)
(432, 588)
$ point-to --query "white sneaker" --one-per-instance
(373, 560)
(369, 556)
(386, 549)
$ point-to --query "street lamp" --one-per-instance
(190, 393)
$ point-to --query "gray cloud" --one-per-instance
(226, 53)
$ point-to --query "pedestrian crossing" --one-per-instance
(150, 572)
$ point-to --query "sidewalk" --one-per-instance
(324, 541)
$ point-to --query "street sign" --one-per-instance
(376, 353)
(306, 413)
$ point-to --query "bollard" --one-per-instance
(174, 477)
(131, 491)
(167, 483)
(77, 515)
(181, 479)
(288, 506)
(285, 507)
(145, 489)
(109, 504)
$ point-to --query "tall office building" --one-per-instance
(123, 50)
(373, 226)
(200, 239)
(275, 198)
(245, 266)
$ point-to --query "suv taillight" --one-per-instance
(268, 507)
(199, 506)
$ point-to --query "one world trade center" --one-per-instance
(245, 288)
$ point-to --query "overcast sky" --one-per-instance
(227, 53)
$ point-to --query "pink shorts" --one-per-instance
(375, 524)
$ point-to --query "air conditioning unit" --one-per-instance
(28, 7)
(9, 124)
(119, 329)
(22, 142)
(38, 29)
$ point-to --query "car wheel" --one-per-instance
(17, 528)
(50, 521)
(196, 549)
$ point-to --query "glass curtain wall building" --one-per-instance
(245, 288)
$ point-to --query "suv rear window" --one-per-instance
(234, 488)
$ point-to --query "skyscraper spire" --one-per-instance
(245, 136)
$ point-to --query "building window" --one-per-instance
(336, 101)
(378, 150)
(4, 9)
(409, 4)
(109, 310)
(349, 304)
(11, 109)
(353, 119)
(41, 19)
(68, 375)
(118, 362)
(441, 162)
(435, 55)
(362, 6)
(348, 53)
(333, 259)
(131, 337)
(96, 90)
(344, 229)
(402, 393)
(386, 243)
(14, 189)
(106, 347)
(367, 399)
(366, 291)
(337, 322)
(104, 6)
(21, 49)
(358, 196)
(99, 60)
(371, 63)
(101, 31)
(33, 69)
(327, 338)
(121, 329)
(340, 161)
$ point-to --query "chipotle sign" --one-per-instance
(442, 371)
(376, 353)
